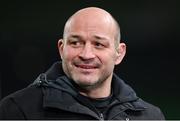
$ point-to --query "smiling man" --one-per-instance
(82, 86)
(90, 49)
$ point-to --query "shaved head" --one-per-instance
(90, 49)
(93, 13)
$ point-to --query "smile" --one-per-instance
(84, 66)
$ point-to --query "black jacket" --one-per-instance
(54, 96)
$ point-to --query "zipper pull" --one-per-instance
(101, 117)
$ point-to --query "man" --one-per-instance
(82, 86)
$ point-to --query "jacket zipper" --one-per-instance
(127, 119)
(101, 117)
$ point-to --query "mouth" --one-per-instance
(86, 66)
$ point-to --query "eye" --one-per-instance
(76, 43)
(99, 45)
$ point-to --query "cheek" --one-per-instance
(69, 53)
(108, 57)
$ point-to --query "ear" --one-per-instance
(60, 47)
(120, 53)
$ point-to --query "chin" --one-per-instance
(88, 84)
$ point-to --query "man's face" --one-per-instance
(88, 53)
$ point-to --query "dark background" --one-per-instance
(29, 31)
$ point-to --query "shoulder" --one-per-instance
(23, 94)
(152, 111)
(16, 103)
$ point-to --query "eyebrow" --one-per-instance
(102, 38)
(75, 37)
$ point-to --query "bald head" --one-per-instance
(93, 15)
(91, 49)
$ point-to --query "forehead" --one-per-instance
(92, 23)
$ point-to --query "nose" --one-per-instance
(87, 52)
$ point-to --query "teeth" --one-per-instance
(86, 67)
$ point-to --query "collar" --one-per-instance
(123, 93)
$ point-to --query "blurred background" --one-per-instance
(29, 31)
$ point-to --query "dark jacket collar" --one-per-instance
(122, 91)
(56, 80)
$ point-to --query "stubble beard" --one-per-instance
(85, 86)
(97, 84)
